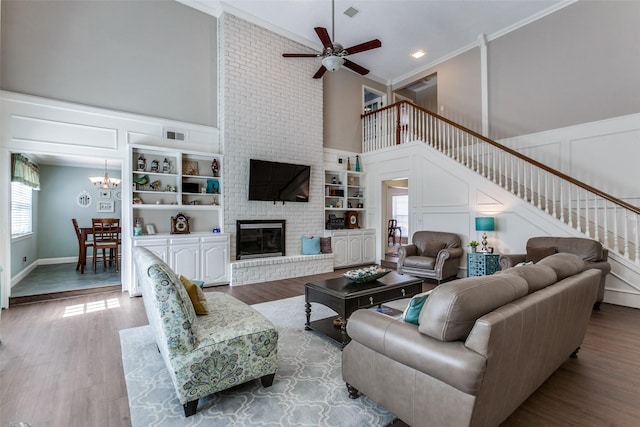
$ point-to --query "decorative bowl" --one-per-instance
(366, 274)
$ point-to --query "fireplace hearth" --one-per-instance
(260, 238)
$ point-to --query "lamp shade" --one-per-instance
(485, 224)
(332, 62)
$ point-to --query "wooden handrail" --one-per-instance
(512, 152)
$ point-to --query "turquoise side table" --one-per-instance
(482, 264)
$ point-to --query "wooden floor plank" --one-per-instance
(50, 350)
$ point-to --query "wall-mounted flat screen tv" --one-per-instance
(278, 182)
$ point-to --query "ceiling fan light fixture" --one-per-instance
(332, 63)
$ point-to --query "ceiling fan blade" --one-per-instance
(300, 55)
(371, 44)
(323, 34)
(355, 67)
(320, 72)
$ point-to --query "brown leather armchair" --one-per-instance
(591, 252)
(432, 255)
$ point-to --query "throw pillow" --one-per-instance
(325, 245)
(310, 245)
(432, 247)
(411, 314)
(536, 254)
(198, 299)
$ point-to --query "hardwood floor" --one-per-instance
(60, 363)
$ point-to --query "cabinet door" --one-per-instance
(369, 248)
(339, 251)
(185, 260)
(355, 250)
(215, 259)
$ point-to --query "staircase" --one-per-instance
(589, 211)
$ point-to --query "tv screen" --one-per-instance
(278, 182)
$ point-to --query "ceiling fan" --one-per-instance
(333, 54)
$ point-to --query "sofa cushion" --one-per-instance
(325, 245)
(452, 308)
(536, 254)
(310, 245)
(564, 264)
(431, 248)
(423, 262)
(537, 276)
(412, 312)
(196, 295)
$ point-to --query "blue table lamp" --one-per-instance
(485, 224)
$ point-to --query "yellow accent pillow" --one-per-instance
(198, 299)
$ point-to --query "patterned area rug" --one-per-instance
(307, 391)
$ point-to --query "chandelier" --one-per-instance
(104, 182)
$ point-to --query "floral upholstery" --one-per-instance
(231, 345)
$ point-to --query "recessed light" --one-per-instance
(418, 54)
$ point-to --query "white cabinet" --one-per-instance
(197, 256)
(214, 258)
(184, 257)
(353, 247)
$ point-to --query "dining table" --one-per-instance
(85, 233)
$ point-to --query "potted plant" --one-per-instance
(474, 246)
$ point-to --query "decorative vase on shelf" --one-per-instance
(357, 163)
(215, 167)
(348, 164)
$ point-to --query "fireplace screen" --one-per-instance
(260, 238)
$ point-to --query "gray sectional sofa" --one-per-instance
(482, 346)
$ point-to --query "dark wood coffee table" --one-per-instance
(344, 297)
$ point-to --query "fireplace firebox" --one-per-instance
(260, 238)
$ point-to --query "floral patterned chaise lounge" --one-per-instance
(204, 353)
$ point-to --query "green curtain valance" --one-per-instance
(25, 171)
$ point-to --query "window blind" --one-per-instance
(21, 209)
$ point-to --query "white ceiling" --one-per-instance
(441, 28)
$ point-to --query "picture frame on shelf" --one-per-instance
(104, 194)
(106, 206)
(190, 167)
(151, 229)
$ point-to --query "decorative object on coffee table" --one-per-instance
(366, 274)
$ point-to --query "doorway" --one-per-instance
(396, 217)
(43, 262)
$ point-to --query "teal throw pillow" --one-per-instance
(412, 312)
(310, 245)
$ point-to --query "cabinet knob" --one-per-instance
(403, 293)
(371, 300)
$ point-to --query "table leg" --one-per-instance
(307, 310)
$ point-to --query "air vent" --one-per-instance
(351, 12)
(174, 134)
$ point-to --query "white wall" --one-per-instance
(603, 154)
(271, 110)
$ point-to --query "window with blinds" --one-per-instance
(21, 211)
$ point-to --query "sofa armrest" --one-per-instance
(510, 260)
(450, 362)
(405, 251)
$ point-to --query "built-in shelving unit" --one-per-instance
(166, 182)
(343, 192)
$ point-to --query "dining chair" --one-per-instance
(83, 245)
(106, 235)
(393, 230)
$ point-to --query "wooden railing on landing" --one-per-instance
(598, 215)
